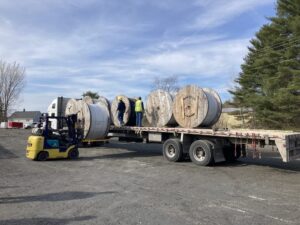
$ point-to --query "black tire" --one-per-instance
(201, 153)
(172, 150)
(42, 156)
(73, 153)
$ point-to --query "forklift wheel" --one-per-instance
(73, 153)
(42, 156)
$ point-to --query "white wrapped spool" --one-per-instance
(93, 119)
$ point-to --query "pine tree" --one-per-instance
(93, 95)
(270, 79)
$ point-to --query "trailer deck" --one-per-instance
(286, 142)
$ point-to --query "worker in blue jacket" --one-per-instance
(121, 110)
(139, 109)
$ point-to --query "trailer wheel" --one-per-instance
(201, 153)
(73, 153)
(172, 150)
(42, 156)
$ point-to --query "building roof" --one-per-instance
(24, 114)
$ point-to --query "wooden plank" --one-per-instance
(259, 134)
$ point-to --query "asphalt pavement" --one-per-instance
(131, 183)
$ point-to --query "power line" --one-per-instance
(270, 64)
(286, 44)
(262, 54)
(282, 43)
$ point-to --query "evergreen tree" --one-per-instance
(93, 95)
(270, 79)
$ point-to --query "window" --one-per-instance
(53, 106)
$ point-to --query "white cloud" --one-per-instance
(209, 58)
(133, 75)
(69, 47)
(219, 12)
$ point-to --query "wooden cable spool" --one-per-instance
(194, 107)
(104, 101)
(88, 100)
(92, 119)
(100, 100)
(129, 115)
(215, 103)
(159, 109)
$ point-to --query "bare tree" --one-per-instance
(169, 84)
(12, 82)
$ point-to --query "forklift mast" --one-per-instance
(69, 120)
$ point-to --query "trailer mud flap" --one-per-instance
(218, 152)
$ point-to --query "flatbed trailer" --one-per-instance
(206, 146)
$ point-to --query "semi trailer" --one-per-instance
(207, 146)
(204, 146)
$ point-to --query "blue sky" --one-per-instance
(118, 47)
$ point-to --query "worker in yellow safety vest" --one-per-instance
(139, 109)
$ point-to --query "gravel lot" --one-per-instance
(129, 183)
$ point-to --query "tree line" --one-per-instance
(269, 81)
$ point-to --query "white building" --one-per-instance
(25, 117)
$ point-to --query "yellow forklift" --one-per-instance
(46, 143)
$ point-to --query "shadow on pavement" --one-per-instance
(136, 150)
(46, 220)
(138, 147)
(133, 150)
(291, 167)
(52, 197)
(6, 154)
(120, 155)
(276, 163)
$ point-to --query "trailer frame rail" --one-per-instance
(286, 142)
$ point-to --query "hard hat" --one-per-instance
(119, 98)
